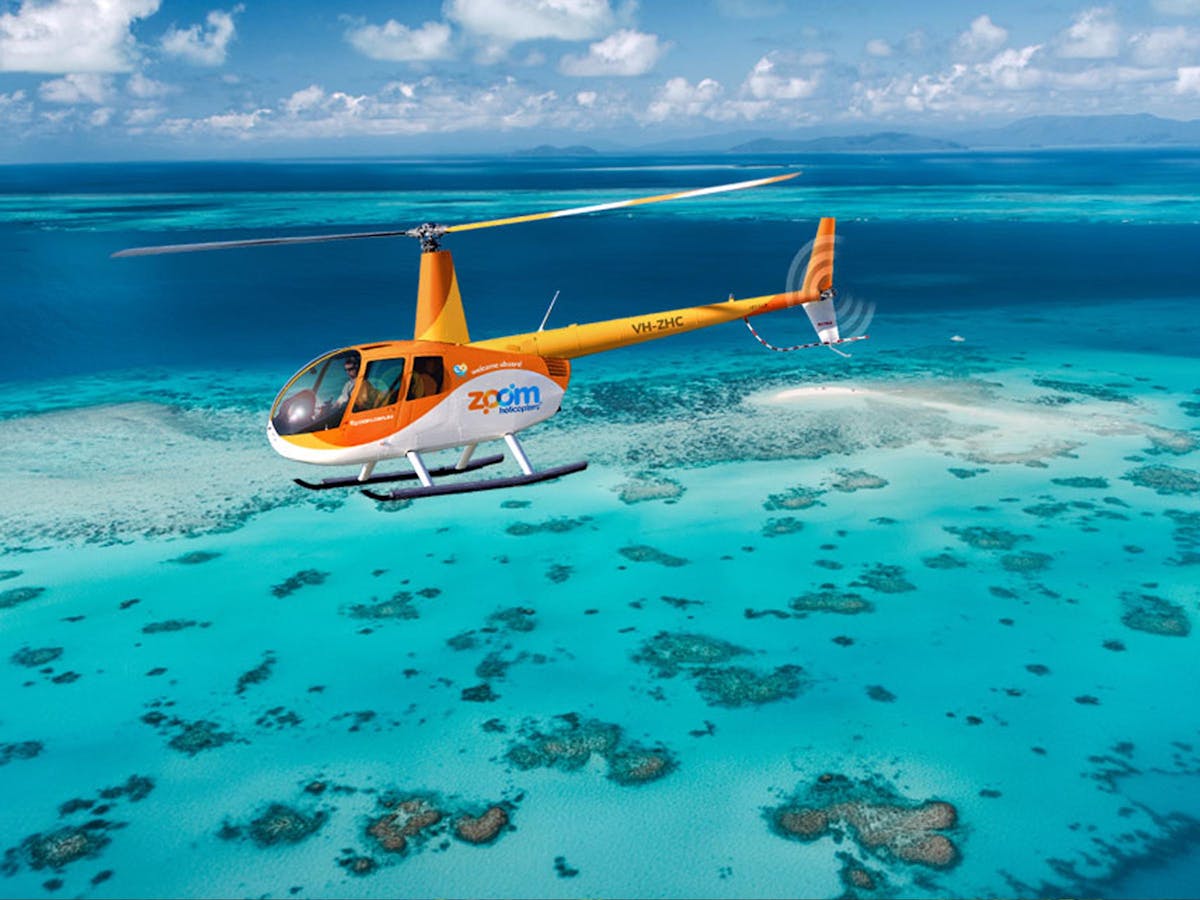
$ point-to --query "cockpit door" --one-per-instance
(375, 406)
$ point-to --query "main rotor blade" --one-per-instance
(600, 207)
(255, 242)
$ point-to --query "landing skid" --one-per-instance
(353, 481)
(468, 487)
(429, 489)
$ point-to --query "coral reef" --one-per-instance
(646, 553)
(983, 538)
(195, 557)
(36, 657)
(851, 480)
(641, 488)
(559, 525)
(299, 580)
(406, 818)
(570, 742)
(1026, 561)
(257, 675)
(781, 525)
(668, 653)
(19, 750)
(1165, 480)
(735, 686)
(875, 816)
(794, 498)
(1154, 615)
(282, 824)
(1081, 481)
(16, 596)
(885, 579)
(484, 828)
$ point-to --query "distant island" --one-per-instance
(551, 150)
(882, 141)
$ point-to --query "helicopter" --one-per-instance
(364, 404)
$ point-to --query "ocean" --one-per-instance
(915, 622)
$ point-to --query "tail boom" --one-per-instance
(581, 340)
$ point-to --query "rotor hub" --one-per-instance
(428, 234)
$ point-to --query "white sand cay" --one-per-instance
(1004, 428)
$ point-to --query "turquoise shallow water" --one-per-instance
(979, 553)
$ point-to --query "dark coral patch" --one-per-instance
(851, 480)
(943, 561)
(257, 675)
(282, 824)
(793, 499)
(36, 657)
(982, 538)
(299, 580)
(400, 606)
(559, 525)
(632, 764)
(1165, 480)
(669, 652)
(830, 599)
(885, 579)
(16, 596)
(172, 625)
(646, 553)
(1082, 481)
(734, 686)
(195, 737)
(1154, 615)
(6, 574)
(195, 558)
(66, 845)
(782, 525)
(1026, 561)
(514, 618)
(19, 750)
(570, 742)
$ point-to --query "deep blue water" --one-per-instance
(912, 241)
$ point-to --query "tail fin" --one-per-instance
(440, 315)
(818, 280)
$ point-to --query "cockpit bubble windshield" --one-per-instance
(316, 398)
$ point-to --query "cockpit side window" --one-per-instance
(427, 377)
(316, 398)
(381, 384)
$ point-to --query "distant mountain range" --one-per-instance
(1142, 130)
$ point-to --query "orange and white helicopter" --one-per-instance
(371, 402)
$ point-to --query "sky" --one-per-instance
(137, 79)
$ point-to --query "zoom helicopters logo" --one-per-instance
(511, 399)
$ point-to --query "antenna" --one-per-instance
(549, 309)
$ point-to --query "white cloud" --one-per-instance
(399, 43)
(983, 37)
(879, 47)
(1165, 46)
(145, 88)
(1188, 80)
(764, 84)
(506, 22)
(1178, 7)
(679, 97)
(624, 52)
(100, 117)
(15, 107)
(586, 99)
(84, 87)
(1093, 35)
(143, 115)
(207, 46)
(71, 35)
